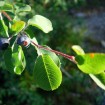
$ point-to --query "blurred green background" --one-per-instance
(80, 22)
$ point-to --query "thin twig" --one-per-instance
(71, 58)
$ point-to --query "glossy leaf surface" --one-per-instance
(46, 73)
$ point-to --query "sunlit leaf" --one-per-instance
(92, 63)
(41, 22)
(46, 73)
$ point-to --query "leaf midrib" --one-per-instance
(46, 72)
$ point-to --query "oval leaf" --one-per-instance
(17, 26)
(92, 63)
(46, 73)
(41, 22)
(99, 79)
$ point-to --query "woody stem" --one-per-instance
(71, 58)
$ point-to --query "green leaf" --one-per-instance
(15, 60)
(99, 79)
(46, 73)
(5, 6)
(41, 22)
(92, 63)
(17, 26)
(78, 50)
(54, 57)
(3, 28)
(20, 7)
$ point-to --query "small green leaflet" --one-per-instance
(46, 73)
(41, 22)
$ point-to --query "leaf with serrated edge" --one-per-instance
(46, 73)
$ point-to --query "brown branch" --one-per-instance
(71, 58)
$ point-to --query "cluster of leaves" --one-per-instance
(46, 70)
